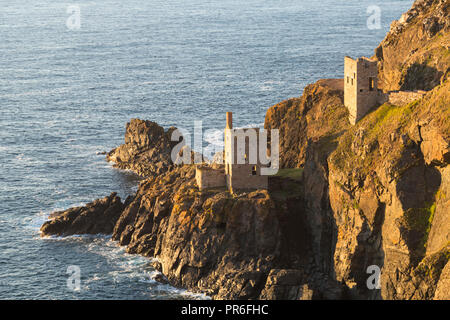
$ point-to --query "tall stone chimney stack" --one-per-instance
(229, 120)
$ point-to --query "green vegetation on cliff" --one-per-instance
(388, 131)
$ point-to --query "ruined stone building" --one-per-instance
(242, 163)
(361, 91)
(360, 86)
(242, 166)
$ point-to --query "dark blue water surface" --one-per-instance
(66, 95)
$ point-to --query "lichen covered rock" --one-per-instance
(415, 54)
(318, 116)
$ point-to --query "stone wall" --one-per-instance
(350, 87)
(399, 98)
(243, 177)
(360, 86)
(366, 86)
(209, 178)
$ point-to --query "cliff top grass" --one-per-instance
(287, 183)
(359, 147)
(290, 173)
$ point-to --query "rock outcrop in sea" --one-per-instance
(347, 197)
(146, 150)
(97, 217)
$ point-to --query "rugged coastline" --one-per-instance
(376, 193)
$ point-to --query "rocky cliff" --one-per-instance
(97, 217)
(415, 52)
(381, 197)
(318, 116)
(388, 189)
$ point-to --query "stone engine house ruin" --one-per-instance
(242, 167)
(361, 92)
(360, 87)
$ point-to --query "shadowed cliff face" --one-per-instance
(310, 127)
(415, 54)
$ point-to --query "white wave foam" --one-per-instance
(253, 125)
(126, 268)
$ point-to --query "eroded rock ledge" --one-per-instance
(97, 217)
